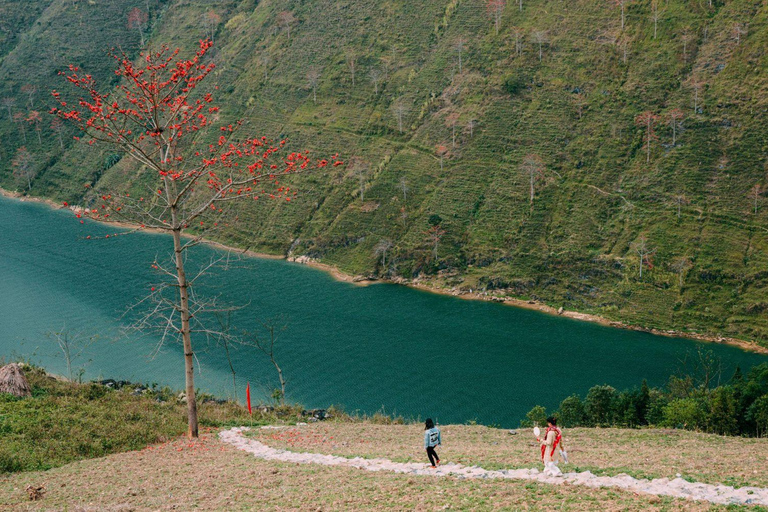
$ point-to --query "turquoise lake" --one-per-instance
(381, 347)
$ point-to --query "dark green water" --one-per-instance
(365, 348)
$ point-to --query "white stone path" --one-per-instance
(676, 487)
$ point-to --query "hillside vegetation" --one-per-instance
(510, 161)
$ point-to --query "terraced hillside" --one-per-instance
(522, 140)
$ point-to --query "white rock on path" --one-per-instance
(677, 487)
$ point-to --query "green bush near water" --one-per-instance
(739, 407)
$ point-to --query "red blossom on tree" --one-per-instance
(648, 120)
(160, 116)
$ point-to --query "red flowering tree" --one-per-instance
(161, 116)
(648, 120)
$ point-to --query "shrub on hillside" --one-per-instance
(599, 405)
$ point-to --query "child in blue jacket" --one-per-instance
(432, 439)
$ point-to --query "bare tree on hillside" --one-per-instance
(23, 165)
(211, 21)
(351, 60)
(35, 119)
(381, 249)
(451, 121)
(459, 47)
(540, 36)
(680, 267)
(72, 345)
(313, 77)
(644, 252)
(285, 20)
(441, 150)
(57, 125)
(471, 127)
(656, 14)
(30, 90)
(264, 61)
(266, 344)
(360, 169)
(403, 184)
(518, 32)
(647, 120)
(137, 19)
(434, 235)
(697, 85)
(755, 193)
(685, 38)
(375, 76)
(679, 201)
(533, 167)
(675, 120)
(622, 4)
(400, 109)
(738, 31)
(580, 100)
(496, 9)
(9, 103)
(21, 120)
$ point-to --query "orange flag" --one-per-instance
(248, 397)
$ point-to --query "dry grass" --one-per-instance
(212, 476)
(641, 453)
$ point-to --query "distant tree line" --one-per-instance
(738, 408)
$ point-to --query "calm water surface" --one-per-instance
(366, 348)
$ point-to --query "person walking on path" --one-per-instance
(553, 438)
(432, 439)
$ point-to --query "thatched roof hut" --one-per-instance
(13, 381)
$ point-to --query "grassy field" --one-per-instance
(96, 449)
(642, 453)
(564, 81)
(211, 476)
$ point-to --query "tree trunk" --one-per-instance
(532, 179)
(185, 329)
(282, 382)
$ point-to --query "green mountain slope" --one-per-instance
(560, 80)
